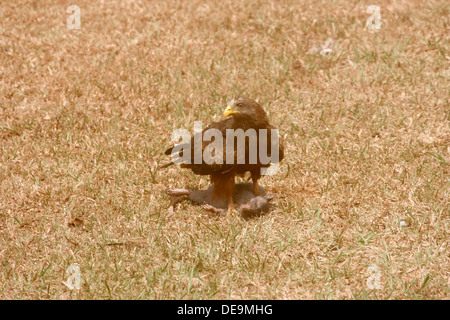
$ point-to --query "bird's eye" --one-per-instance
(239, 105)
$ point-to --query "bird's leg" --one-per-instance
(255, 178)
(256, 191)
(231, 207)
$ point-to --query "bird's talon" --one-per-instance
(231, 211)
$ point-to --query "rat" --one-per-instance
(247, 204)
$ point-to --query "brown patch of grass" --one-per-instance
(85, 115)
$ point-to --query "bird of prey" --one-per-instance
(260, 146)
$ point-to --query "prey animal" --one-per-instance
(247, 204)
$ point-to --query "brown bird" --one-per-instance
(241, 113)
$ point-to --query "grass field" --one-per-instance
(363, 194)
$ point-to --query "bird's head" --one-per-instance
(244, 107)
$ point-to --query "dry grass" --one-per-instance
(85, 115)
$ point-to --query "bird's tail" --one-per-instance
(166, 165)
(168, 152)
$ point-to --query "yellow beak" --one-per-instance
(229, 111)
